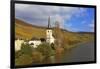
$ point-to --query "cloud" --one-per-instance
(38, 14)
(70, 27)
(84, 22)
(81, 12)
(92, 23)
(91, 26)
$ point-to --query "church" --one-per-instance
(49, 38)
(49, 34)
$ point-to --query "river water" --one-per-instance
(80, 53)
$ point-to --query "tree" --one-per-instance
(24, 59)
(37, 57)
(58, 35)
(45, 49)
(18, 54)
(26, 49)
(24, 56)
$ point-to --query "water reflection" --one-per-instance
(59, 57)
(83, 52)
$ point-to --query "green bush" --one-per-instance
(23, 60)
(28, 55)
(26, 49)
(37, 57)
(45, 49)
(18, 54)
(24, 56)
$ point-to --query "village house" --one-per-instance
(18, 43)
(34, 42)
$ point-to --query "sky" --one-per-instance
(75, 19)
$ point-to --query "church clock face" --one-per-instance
(49, 33)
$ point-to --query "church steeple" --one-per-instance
(49, 22)
(49, 38)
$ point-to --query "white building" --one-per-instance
(35, 43)
(18, 44)
(49, 38)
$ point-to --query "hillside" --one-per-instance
(27, 31)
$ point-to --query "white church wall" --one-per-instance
(50, 39)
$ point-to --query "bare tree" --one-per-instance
(58, 35)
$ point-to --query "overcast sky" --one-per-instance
(70, 18)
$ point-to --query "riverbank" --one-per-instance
(68, 47)
(83, 52)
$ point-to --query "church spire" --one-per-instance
(49, 22)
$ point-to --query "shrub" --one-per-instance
(37, 56)
(26, 49)
(23, 60)
(18, 54)
(24, 56)
(45, 49)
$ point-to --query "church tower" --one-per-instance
(49, 37)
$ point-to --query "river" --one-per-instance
(81, 53)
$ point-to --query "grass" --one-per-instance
(27, 32)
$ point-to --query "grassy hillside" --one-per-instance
(27, 31)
